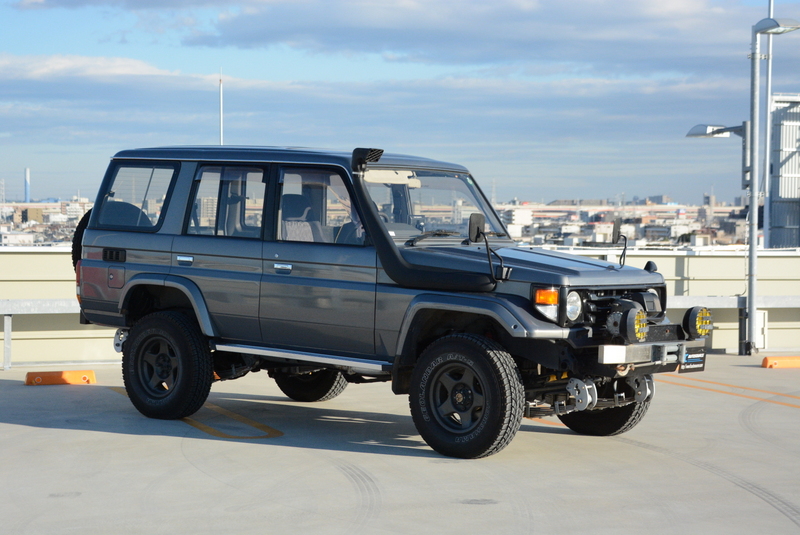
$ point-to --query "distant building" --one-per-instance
(16, 238)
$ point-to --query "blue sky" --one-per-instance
(546, 99)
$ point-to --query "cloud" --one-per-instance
(42, 67)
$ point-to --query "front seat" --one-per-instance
(297, 222)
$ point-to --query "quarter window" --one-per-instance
(136, 196)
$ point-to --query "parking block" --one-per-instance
(74, 377)
(781, 362)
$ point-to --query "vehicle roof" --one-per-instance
(280, 154)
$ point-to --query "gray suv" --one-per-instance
(326, 268)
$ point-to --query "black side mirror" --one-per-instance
(615, 232)
(477, 222)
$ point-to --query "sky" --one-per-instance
(540, 99)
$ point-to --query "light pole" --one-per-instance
(743, 131)
(768, 26)
(750, 162)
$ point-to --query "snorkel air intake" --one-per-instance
(396, 267)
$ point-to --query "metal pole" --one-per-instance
(752, 311)
(768, 142)
(220, 106)
(7, 342)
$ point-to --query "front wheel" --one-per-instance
(166, 366)
(466, 396)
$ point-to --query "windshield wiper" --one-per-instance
(431, 233)
(490, 233)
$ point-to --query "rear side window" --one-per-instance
(228, 201)
(136, 196)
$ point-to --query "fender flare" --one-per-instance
(516, 321)
(189, 289)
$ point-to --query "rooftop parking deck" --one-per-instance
(716, 454)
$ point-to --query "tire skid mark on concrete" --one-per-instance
(750, 420)
(786, 508)
(369, 495)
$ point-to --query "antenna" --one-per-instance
(220, 106)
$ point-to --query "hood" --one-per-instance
(534, 265)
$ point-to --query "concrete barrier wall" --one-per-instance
(46, 273)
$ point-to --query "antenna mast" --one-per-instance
(220, 106)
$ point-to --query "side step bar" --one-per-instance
(356, 365)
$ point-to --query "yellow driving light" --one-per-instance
(546, 297)
(697, 322)
(640, 325)
(634, 325)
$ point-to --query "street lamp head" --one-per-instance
(709, 130)
(776, 26)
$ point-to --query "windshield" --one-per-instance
(437, 203)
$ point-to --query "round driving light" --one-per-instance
(634, 321)
(574, 306)
(697, 322)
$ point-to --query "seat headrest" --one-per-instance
(295, 207)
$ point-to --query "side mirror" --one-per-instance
(477, 222)
(615, 232)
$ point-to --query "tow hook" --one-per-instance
(119, 338)
(643, 387)
(585, 394)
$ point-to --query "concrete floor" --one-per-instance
(719, 452)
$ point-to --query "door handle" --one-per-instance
(282, 267)
(183, 259)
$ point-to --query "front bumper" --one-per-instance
(687, 356)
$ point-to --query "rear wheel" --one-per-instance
(319, 385)
(166, 366)
(466, 396)
(606, 422)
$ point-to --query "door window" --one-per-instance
(315, 206)
(228, 201)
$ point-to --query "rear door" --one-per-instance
(220, 249)
(319, 277)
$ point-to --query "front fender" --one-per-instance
(516, 321)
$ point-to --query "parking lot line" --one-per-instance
(731, 386)
(268, 431)
(734, 393)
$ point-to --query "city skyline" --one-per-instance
(584, 99)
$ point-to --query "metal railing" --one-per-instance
(11, 307)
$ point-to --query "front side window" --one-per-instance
(418, 202)
(228, 201)
(136, 197)
(315, 206)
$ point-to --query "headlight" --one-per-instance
(546, 302)
(697, 322)
(574, 306)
